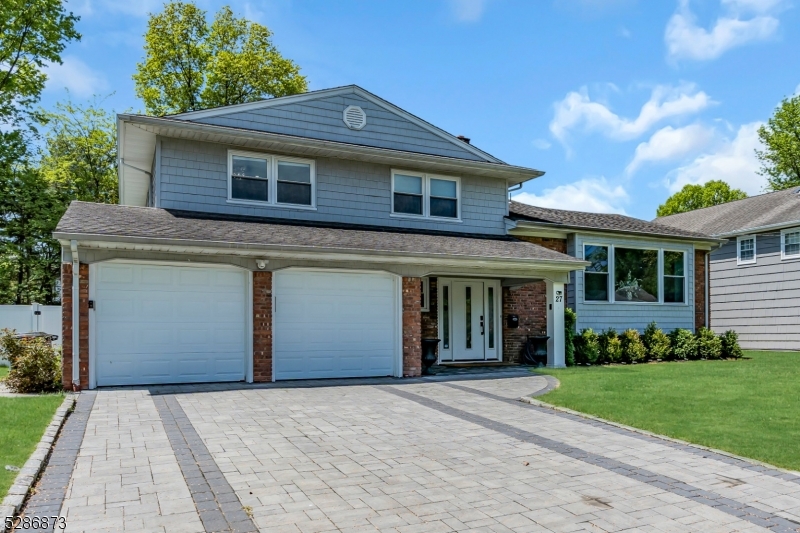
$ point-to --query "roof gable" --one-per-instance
(319, 115)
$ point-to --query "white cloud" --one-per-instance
(541, 144)
(76, 76)
(733, 161)
(594, 195)
(577, 110)
(746, 21)
(468, 10)
(669, 144)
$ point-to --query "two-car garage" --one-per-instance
(155, 323)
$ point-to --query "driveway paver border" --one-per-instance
(774, 523)
(216, 502)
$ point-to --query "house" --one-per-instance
(638, 271)
(309, 236)
(754, 275)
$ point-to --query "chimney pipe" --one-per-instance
(465, 139)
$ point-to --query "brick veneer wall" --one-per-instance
(700, 289)
(66, 326)
(430, 320)
(262, 326)
(412, 327)
(529, 302)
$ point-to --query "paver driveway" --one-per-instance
(399, 456)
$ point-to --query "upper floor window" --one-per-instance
(425, 195)
(636, 275)
(790, 243)
(746, 249)
(268, 179)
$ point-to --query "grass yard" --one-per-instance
(3, 372)
(22, 424)
(749, 407)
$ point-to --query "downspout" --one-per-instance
(76, 315)
(708, 292)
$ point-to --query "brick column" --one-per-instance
(412, 327)
(700, 289)
(262, 326)
(66, 325)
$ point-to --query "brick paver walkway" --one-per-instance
(399, 456)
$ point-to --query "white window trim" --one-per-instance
(272, 180)
(426, 196)
(426, 291)
(612, 272)
(739, 239)
(785, 257)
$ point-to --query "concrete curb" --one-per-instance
(28, 474)
(539, 403)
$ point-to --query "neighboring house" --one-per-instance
(755, 276)
(317, 235)
(638, 271)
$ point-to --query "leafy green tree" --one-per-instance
(191, 65)
(32, 34)
(79, 158)
(693, 197)
(780, 136)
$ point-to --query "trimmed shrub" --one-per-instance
(656, 343)
(587, 347)
(709, 346)
(570, 318)
(631, 346)
(683, 344)
(11, 347)
(35, 365)
(730, 344)
(610, 347)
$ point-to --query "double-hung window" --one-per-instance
(272, 180)
(424, 195)
(746, 249)
(595, 277)
(674, 277)
(790, 243)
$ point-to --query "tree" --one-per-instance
(693, 197)
(79, 158)
(189, 65)
(32, 33)
(780, 136)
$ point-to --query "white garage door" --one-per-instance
(166, 324)
(330, 325)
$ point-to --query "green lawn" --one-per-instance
(749, 407)
(22, 424)
(3, 372)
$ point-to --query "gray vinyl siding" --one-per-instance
(322, 119)
(193, 177)
(623, 315)
(759, 301)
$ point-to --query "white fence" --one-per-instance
(28, 318)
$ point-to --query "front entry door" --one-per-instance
(468, 321)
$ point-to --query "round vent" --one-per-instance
(354, 117)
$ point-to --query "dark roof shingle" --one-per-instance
(780, 207)
(125, 222)
(598, 221)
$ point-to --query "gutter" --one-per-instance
(76, 315)
(314, 253)
(582, 229)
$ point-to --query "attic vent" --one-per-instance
(354, 117)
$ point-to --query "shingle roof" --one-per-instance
(775, 208)
(99, 221)
(598, 221)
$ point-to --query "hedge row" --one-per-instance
(654, 345)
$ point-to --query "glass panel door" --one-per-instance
(469, 325)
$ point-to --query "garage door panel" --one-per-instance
(171, 325)
(331, 324)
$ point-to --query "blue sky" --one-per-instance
(620, 102)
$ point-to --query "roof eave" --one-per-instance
(310, 252)
(554, 227)
(758, 229)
